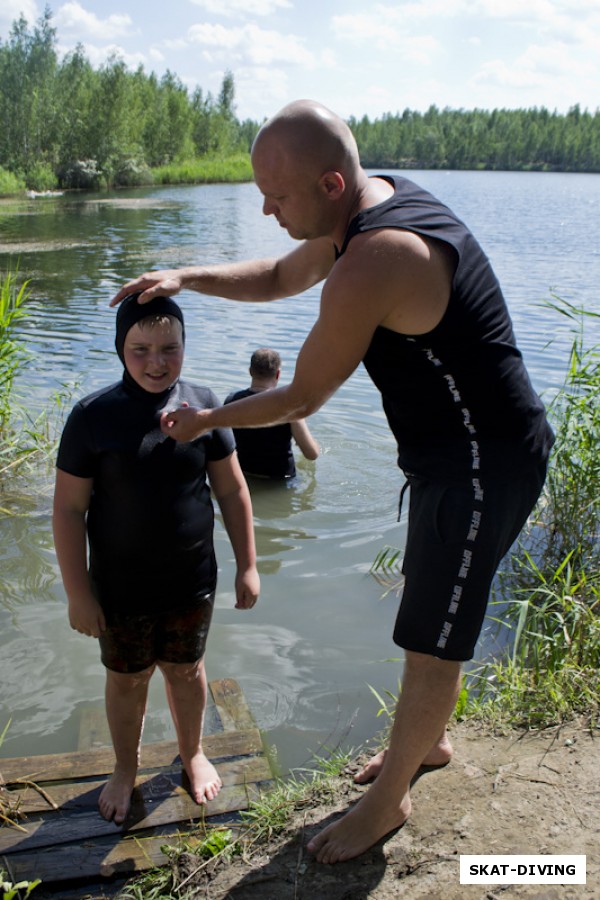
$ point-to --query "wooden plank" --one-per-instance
(104, 858)
(98, 762)
(84, 795)
(231, 705)
(58, 828)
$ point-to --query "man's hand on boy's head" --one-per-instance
(162, 283)
(185, 424)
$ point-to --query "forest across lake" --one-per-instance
(65, 124)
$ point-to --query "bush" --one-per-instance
(80, 173)
(10, 183)
(131, 172)
(41, 177)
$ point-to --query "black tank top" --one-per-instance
(458, 399)
(264, 451)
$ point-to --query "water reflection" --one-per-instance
(27, 563)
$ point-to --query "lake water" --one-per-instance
(320, 635)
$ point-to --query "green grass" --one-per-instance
(10, 183)
(205, 170)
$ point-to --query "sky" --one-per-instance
(355, 56)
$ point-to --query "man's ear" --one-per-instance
(277, 374)
(333, 184)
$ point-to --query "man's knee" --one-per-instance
(421, 664)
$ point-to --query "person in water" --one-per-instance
(143, 503)
(267, 452)
(409, 292)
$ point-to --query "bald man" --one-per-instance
(408, 292)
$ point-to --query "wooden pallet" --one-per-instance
(62, 837)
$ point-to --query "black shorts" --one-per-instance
(457, 536)
(134, 643)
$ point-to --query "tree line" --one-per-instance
(65, 124)
(530, 139)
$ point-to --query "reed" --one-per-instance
(12, 356)
(26, 437)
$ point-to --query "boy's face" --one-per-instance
(153, 354)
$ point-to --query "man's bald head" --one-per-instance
(310, 137)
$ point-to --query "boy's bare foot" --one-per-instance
(439, 755)
(116, 795)
(205, 782)
(366, 823)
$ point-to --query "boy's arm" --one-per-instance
(306, 442)
(71, 502)
(231, 492)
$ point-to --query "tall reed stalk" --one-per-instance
(12, 357)
(25, 436)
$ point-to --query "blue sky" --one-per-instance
(359, 58)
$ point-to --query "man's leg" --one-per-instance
(126, 696)
(426, 702)
(186, 689)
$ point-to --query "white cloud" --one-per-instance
(251, 45)
(229, 8)
(11, 10)
(99, 55)
(360, 27)
(262, 88)
(73, 19)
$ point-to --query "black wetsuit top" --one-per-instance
(458, 399)
(150, 520)
(264, 451)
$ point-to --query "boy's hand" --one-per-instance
(247, 588)
(86, 616)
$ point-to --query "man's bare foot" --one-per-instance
(116, 795)
(366, 823)
(205, 782)
(439, 755)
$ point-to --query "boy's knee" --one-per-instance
(130, 681)
(181, 671)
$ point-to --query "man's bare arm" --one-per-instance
(304, 439)
(251, 280)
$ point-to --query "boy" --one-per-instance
(267, 452)
(144, 506)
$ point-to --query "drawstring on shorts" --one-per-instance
(401, 500)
